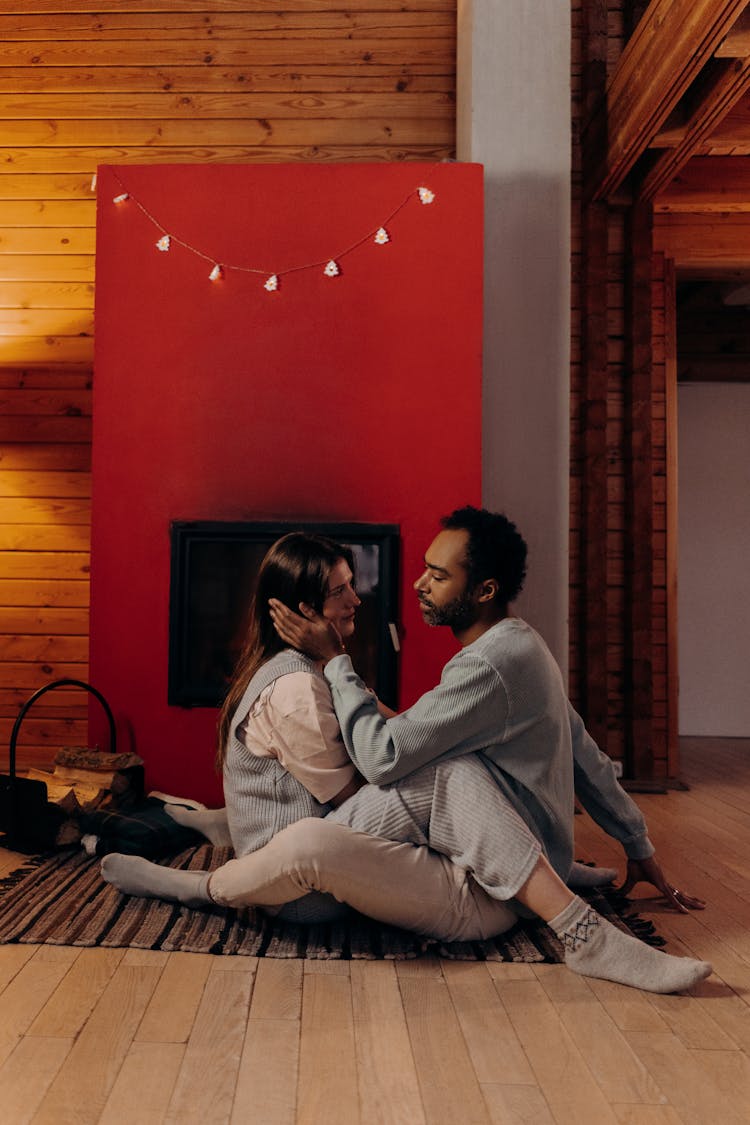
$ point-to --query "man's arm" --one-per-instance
(601, 794)
(467, 709)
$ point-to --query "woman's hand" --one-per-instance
(649, 871)
(310, 633)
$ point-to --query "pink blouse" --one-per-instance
(293, 720)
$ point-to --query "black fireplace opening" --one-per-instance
(214, 566)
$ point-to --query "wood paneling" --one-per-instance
(87, 82)
(237, 26)
(45, 489)
(229, 106)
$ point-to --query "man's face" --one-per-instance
(444, 596)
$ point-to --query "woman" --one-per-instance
(285, 766)
(283, 760)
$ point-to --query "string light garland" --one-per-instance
(330, 267)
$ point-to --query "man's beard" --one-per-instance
(458, 614)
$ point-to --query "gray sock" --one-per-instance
(134, 875)
(581, 875)
(595, 948)
(211, 823)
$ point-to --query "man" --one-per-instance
(501, 696)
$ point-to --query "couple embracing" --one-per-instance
(452, 818)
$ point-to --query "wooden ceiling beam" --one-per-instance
(736, 44)
(708, 184)
(733, 131)
(673, 132)
(671, 44)
(704, 242)
(713, 368)
(719, 273)
(727, 84)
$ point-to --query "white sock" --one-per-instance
(581, 875)
(596, 948)
(134, 875)
(211, 823)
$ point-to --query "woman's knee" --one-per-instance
(306, 839)
(293, 856)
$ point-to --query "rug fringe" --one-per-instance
(18, 874)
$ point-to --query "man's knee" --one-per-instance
(466, 769)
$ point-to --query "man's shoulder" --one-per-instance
(510, 641)
(511, 632)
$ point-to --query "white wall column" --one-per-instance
(714, 544)
(514, 117)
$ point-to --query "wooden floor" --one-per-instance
(134, 1038)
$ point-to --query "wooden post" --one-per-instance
(593, 633)
(592, 627)
(670, 361)
(638, 545)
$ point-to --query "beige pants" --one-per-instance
(400, 884)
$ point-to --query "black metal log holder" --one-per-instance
(29, 820)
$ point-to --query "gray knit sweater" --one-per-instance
(503, 697)
(261, 796)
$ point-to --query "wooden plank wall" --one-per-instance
(618, 654)
(85, 82)
(45, 489)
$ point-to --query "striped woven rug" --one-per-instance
(63, 900)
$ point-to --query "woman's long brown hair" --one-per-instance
(295, 569)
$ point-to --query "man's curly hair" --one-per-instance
(495, 549)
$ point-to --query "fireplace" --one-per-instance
(213, 572)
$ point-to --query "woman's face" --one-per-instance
(341, 599)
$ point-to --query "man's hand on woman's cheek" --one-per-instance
(311, 633)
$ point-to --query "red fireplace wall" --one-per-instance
(349, 398)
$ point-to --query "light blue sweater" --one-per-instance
(503, 697)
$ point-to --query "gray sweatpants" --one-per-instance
(456, 809)
(440, 852)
